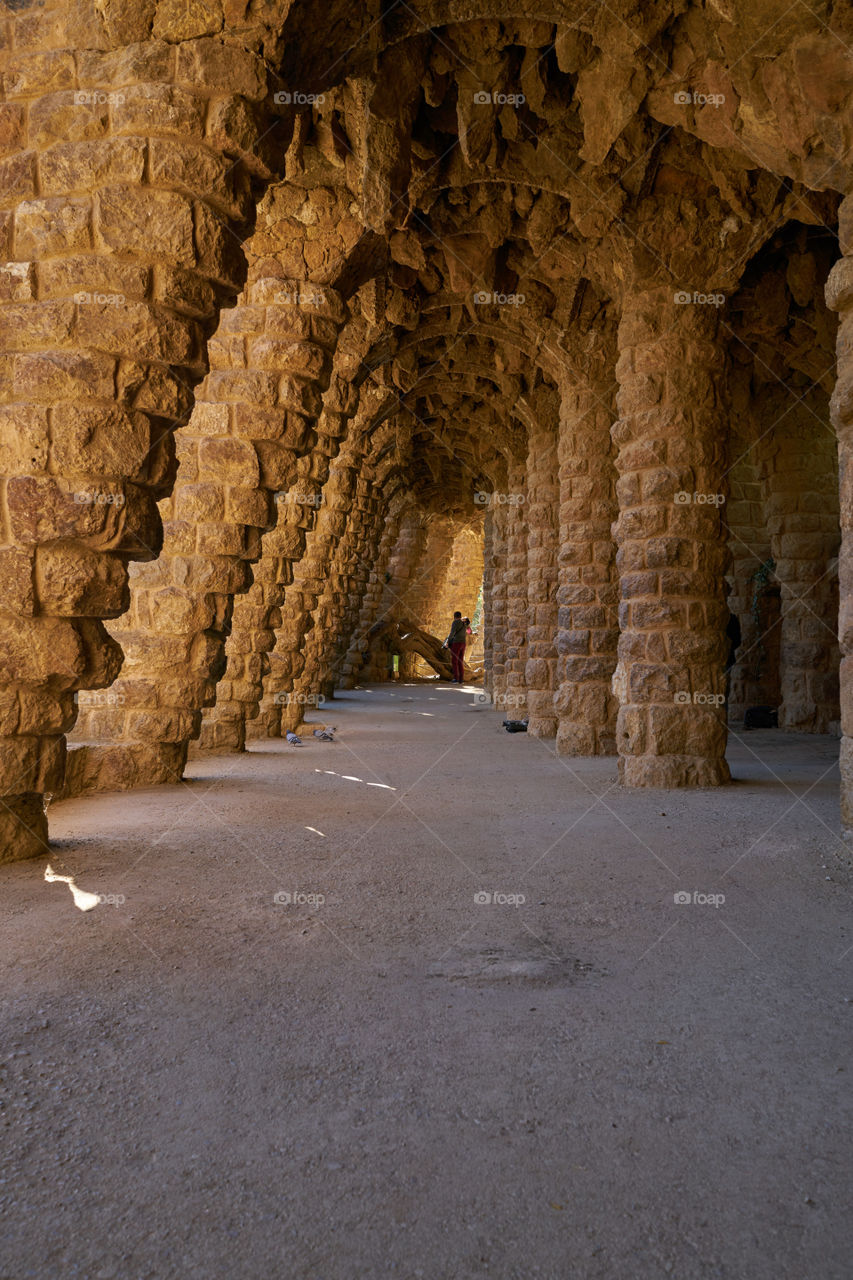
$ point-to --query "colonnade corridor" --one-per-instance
(426, 639)
(425, 1001)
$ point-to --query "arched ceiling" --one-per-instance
(498, 178)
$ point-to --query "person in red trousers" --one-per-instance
(455, 642)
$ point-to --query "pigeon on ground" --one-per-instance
(327, 734)
(515, 726)
(293, 739)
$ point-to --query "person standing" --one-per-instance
(456, 644)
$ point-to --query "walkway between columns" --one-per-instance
(217, 1073)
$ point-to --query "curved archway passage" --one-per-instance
(558, 276)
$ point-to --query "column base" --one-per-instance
(672, 771)
(122, 768)
(542, 726)
(23, 827)
(582, 740)
(219, 737)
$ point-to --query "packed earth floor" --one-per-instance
(424, 1001)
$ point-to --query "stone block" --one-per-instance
(76, 581)
(36, 325)
(38, 649)
(12, 128)
(23, 827)
(228, 461)
(27, 75)
(24, 436)
(84, 166)
(158, 109)
(152, 224)
(251, 507)
(63, 375)
(99, 441)
(47, 228)
(221, 69)
(18, 177)
(16, 581)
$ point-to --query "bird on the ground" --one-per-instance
(327, 734)
(293, 739)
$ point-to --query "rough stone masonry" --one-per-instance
(303, 322)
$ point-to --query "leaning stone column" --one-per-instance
(839, 297)
(311, 576)
(402, 578)
(251, 423)
(671, 440)
(308, 513)
(334, 616)
(124, 195)
(588, 588)
(358, 645)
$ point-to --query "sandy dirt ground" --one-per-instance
(292, 1039)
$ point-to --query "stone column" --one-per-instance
(294, 639)
(360, 553)
(336, 611)
(494, 601)
(802, 518)
(252, 421)
(515, 692)
(588, 588)
(755, 675)
(671, 555)
(374, 593)
(402, 575)
(277, 608)
(125, 192)
(542, 508)
(349, 405)
(839, 297)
